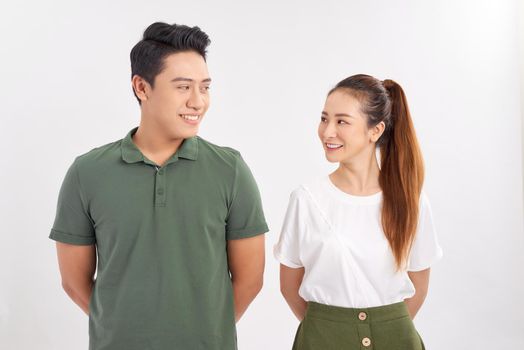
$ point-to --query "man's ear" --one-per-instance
(141, 87)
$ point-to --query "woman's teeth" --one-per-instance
(190, 117)
(333, 145)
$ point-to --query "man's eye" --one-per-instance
(184, 87)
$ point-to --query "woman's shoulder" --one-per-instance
(312, 193)
(311, 188)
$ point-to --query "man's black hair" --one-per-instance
(161, 40)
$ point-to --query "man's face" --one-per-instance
(180, 96)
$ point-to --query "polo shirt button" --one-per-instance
(362, 316)
(160, 191)
(366, 342)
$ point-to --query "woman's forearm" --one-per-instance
(420, 281)
(290, 281)
(414, 303)
(297, 305)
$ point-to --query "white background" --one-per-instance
(65, 89)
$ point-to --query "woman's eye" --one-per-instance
(342, 122)
(322, 119)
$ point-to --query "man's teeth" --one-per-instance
(190, 117)
(332, 145)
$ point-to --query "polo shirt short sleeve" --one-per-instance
(244, 218)
(72, 223)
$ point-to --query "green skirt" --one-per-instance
(387, 327)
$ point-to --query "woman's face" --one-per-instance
(343, 128)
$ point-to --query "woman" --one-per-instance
(356, 246)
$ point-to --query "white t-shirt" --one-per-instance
(338, 239)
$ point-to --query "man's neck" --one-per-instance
(154, 144)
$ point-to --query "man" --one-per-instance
(175, 222)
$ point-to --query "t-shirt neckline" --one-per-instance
(374, 198)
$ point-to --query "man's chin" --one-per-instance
(191, 134)
(187, 134)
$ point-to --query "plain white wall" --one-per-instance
(65, 89)
(520, 27)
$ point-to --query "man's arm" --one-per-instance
(246, 259)
(420, 280)
(77, 267)
(290, 280)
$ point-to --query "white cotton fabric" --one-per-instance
(338, 239)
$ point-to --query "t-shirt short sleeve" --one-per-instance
(72, 223)
(426, 249)
(246, 215)
(287, 250)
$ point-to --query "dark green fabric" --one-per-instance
(388, 327)
(162, 278)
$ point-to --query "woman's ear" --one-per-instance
(377, 131)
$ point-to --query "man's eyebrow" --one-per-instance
(339, 114)
(207, 80)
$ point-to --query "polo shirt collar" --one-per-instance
(131, 154)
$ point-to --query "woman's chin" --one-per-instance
(332, 159)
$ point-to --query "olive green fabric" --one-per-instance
(162, 279)
(387, 327)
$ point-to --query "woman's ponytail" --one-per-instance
(401, 175)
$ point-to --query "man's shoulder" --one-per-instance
(223, 154)
(100, 155)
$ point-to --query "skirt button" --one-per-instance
(366, 342)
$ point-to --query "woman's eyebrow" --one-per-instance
(339, 114)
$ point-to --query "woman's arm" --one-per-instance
(290, 280)
(420, 280)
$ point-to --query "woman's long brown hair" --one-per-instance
(402, 167)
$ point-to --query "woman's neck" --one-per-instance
(359, 177)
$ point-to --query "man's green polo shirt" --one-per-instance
(162, 280)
